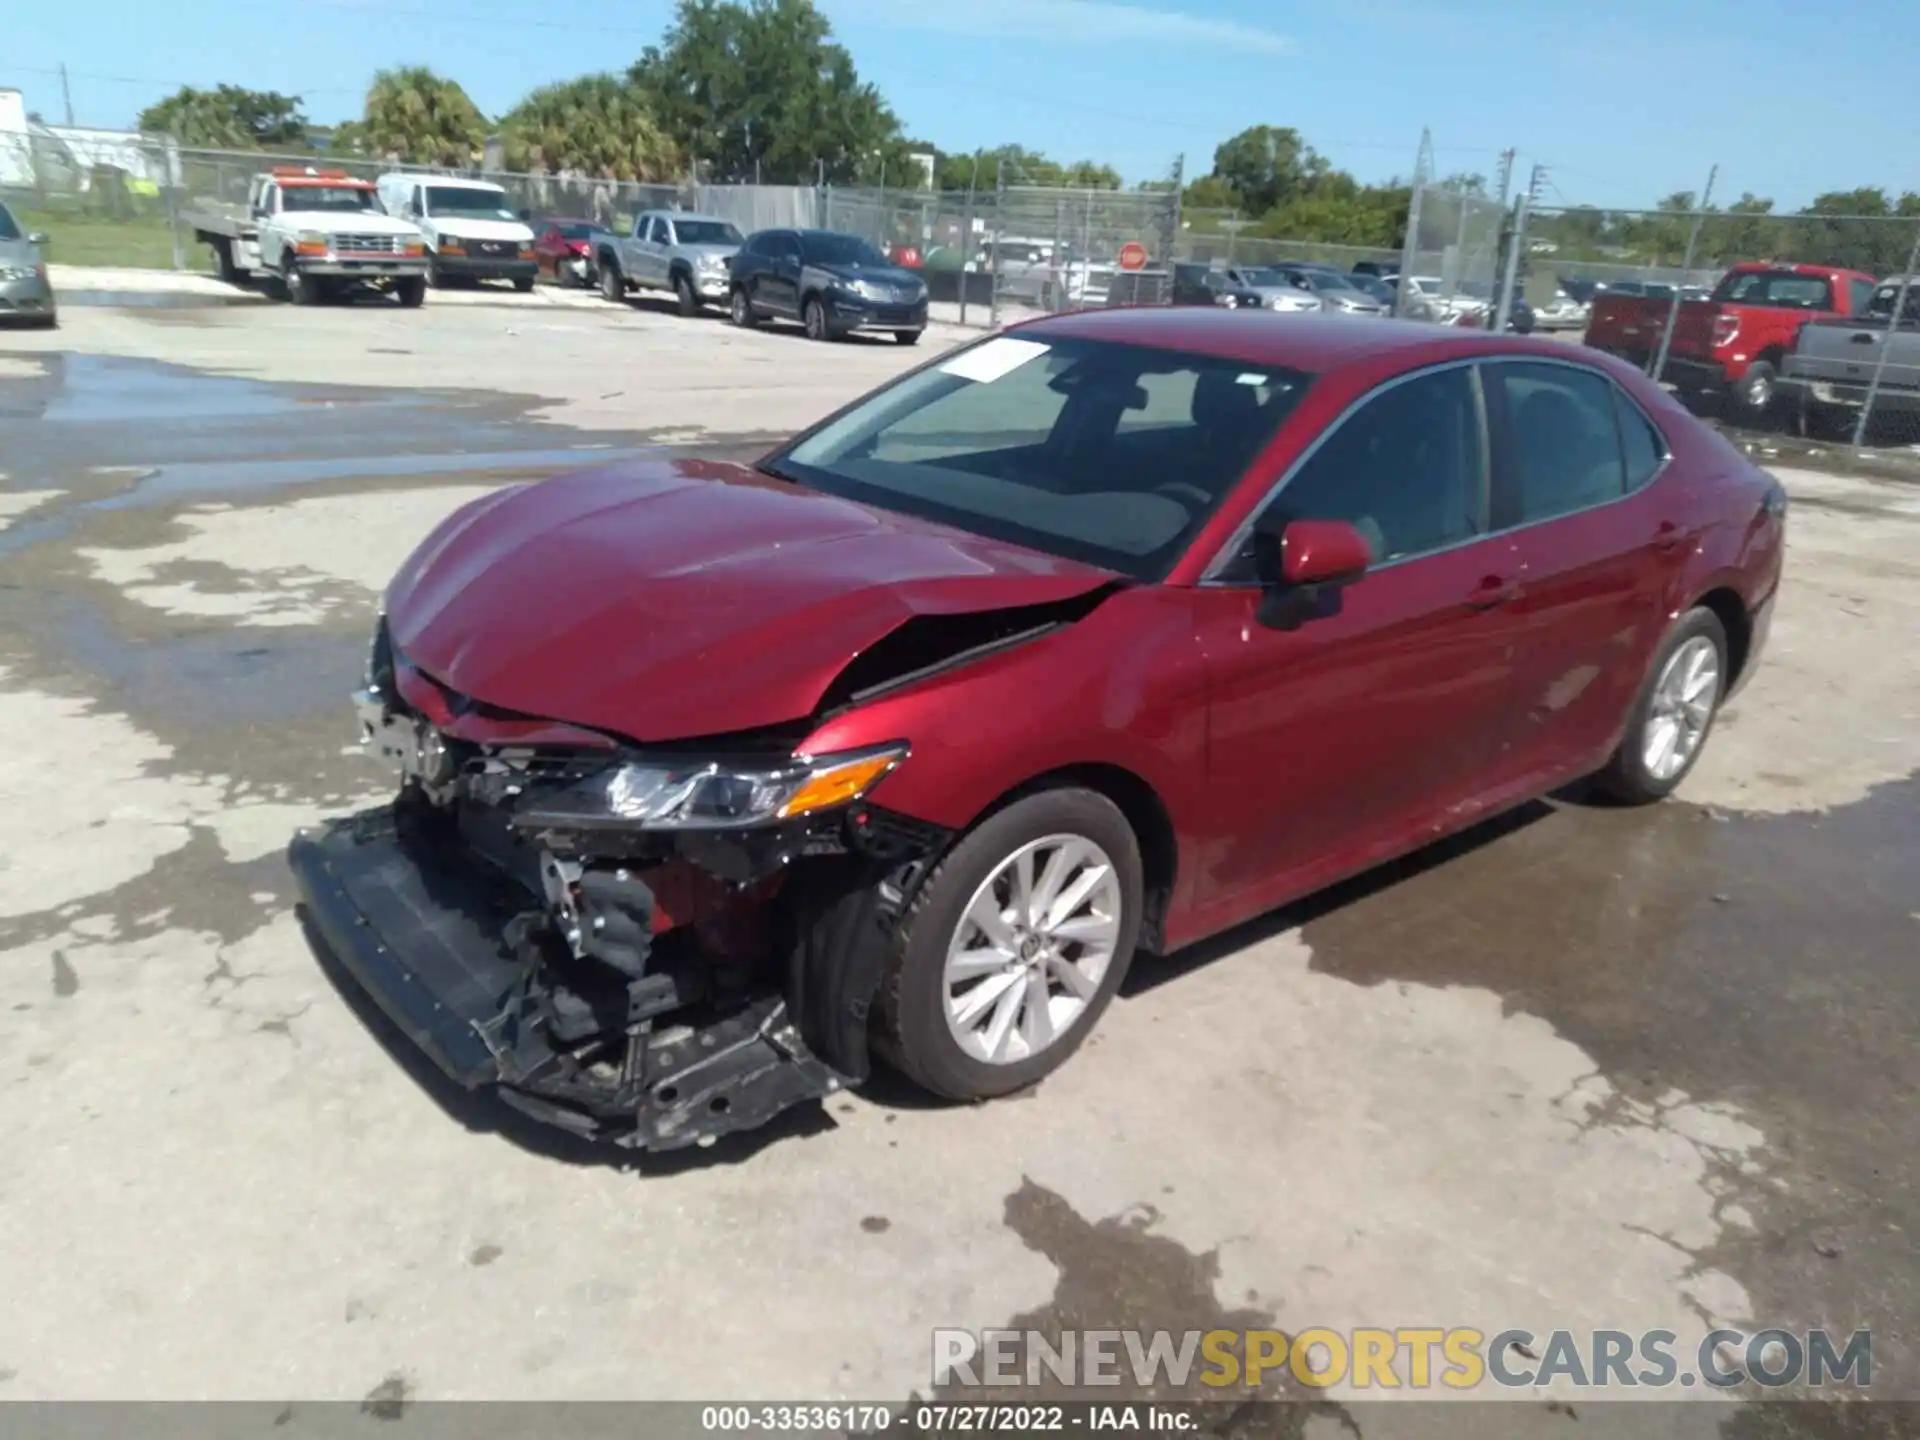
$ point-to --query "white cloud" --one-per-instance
(1071, 21)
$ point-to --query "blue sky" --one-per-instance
(1623, 104)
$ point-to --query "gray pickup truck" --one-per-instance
(686, 255)
(1833, 361)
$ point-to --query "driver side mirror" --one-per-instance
(38, 237)
(1302, 566)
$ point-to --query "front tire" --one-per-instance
(1013, 946)
(1672, 714)
(524, 284)
(613, 285)
(740, 309)
(689, 303)
(411, 291)
(813, 315)
(301, 289)
(907, 337)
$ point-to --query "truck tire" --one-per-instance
(411, 291)
(688, 302)
(1827, 422)
(613, 285)
(1067, 943)
(1754, 395)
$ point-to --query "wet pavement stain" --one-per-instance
(1117, 1274)
(1763, 962)
(65, 982)
(484, 1254)
(389, 1399)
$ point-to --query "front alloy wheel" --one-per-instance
(1013, 946)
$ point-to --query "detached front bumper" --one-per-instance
(432, 941)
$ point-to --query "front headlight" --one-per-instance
(711, 795)
(868, 290)
(710, 264)
(311, 237)
(20, 272)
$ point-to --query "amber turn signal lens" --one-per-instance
(836, 786)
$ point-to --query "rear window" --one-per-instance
(576, 232)
(1779, 288)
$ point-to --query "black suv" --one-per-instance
(831, 283)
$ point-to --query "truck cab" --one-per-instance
(471, 230)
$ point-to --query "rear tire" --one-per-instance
(689, 302)
(613, 285)
(923, 1001)
(1641, 771)
(1753, 396)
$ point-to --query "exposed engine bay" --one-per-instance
(653, 946)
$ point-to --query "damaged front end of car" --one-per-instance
(649, 945)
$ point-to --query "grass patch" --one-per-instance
(142, 242)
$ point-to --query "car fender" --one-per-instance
(1121, 687)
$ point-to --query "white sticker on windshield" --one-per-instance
(1249, 379)
(999, 356)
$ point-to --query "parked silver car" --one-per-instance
(26, 295)
(1263, 287)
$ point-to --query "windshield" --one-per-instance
(8, 230)
(705, 232)
(1106, 453)
(331, 199)
(827, 249)
(575, 230)
(1324, 282)
(459, 202)
(1261, 277)
(1778, 288)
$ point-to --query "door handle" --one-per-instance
(1666, 536)
(1493, 590)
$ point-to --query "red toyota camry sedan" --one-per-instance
(1094, 637)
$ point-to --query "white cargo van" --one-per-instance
(472, 232)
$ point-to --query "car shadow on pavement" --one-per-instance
(483, 1112)
(1150, 972)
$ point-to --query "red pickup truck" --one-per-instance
(1734, 341)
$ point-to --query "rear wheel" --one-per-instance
(1013, 946)
(1673, 712)
(689, 302)
(613, 285)
(1754, 394)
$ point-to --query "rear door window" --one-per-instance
(1643, 448)
(1564, 451)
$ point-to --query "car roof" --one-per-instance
(686, 215)
(1312, 343)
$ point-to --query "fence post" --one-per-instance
(966, 241)
(993, 245)
(1686, 264)
(1894, 318)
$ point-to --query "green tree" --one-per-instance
(1864, 229)
(1265, 165)
(598, 125)
(758, 87)
(227, 117)
(416, 116)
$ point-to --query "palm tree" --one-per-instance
(597, 125)
(415, 116)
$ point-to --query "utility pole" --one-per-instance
(1506, 177)
(66, 93)
(1516, 244)
(1410, 249)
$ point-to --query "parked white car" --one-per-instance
(471, 229)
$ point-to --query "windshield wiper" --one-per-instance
(781, 472)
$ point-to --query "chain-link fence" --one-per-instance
(1451, 264)
(1775, 325)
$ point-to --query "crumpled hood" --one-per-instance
(665, 600)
